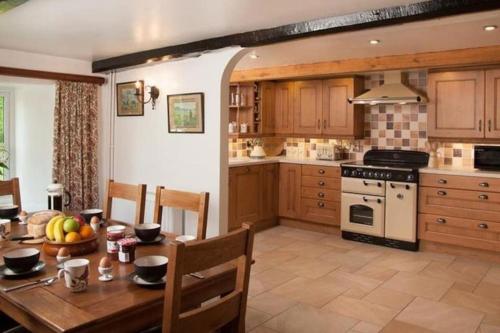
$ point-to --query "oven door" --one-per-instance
(363, 214)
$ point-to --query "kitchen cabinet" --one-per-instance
(492, 104)
(253, 195)
(267, 106)
(283, 108)
(307, 107)
(456, 104)
(289, 190)
(339, 117)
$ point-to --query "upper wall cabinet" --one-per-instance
(307, 108)
(456, 104)
(492, 107)
(283, 108)
(267, 113)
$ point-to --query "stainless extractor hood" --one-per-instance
(393, 91)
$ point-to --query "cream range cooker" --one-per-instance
(379, 198)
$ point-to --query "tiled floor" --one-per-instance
(304, 281)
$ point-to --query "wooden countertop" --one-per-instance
(235, 162)
(461, 171)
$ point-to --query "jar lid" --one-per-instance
(127, 242)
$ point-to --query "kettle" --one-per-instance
(55, 196)
(257, 152)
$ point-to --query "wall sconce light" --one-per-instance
(154, 93)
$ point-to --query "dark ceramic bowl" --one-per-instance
(21, 260)
(151, 268)
(87, 214)
(8, 211)
(147, 231)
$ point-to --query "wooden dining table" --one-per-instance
(115, 306)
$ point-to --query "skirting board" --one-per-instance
(427, 246)
(310, 226)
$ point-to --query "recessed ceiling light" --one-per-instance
(374, 41)
(254, 56)
(489, 27)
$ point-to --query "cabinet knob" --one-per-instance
(484, 184)
(321, 194)
(489, 125)
(442, 181)
(247, 169)
(440, 220)
(319, 124)
(324, 124)
(321, 171)
(483, 197)
(441, 193)
(480, 125)
(482, 226)
(321, 183)
(321, 204)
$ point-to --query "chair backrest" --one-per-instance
(195, 202)
(11, 187)
(136, 193)
(186, 258)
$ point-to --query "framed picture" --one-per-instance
(127, 103)
(186, 113)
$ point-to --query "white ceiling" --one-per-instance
(96, 29)
(442, 34)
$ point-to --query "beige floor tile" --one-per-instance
(254, 318)
(357, 285)
(303, 318)
(488, 290)
(338, 243)
(434, 256)
(440, 317)
(267, 280)
(364, 327)
(458, 271)
(308, 267)
(304, 235)
(471, 301)
(485, 328)
(391, 298)
(376, 272)
(361, 310)
(306, 249)
(368, 252)
(271, 303)
(313, 292)
(263, 329)
(274, 258)
(271, 243)
(348, 262)
(493, 275)
(491, 319)
(418, 285)
(402, 262)
(396, 326)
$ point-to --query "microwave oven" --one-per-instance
(487, 157)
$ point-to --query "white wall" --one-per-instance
(31, 137)
(142, 151)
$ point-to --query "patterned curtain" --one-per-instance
(75, 142)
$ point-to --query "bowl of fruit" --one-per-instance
(70, 232)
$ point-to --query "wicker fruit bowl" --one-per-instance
(79, 248)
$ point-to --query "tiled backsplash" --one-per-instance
(386, 127)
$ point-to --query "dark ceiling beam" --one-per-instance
(351, 22)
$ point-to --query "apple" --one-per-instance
(71, 225)
(80, 220)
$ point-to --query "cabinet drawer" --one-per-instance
(321, 182)
(460, 203)
(461, 182)
(315, 170)
(320, 211)
(458, 231)
(320, 194)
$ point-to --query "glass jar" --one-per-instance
(126, 253)
(113, 235)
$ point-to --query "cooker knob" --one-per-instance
(382, 175)
(388, 175)
(365, 173)
(354, 173)
(370, 174)
(410, 177)
(346, 172)
(376, 174)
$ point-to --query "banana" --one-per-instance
(49, 229)
(59, 231)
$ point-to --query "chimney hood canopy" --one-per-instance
(391, 92)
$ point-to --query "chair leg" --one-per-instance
(232, 327)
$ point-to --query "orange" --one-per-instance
(72, 237)
(86, 231)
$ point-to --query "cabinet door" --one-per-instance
(269, 191)
(289, 190)
(307, 108)
(492, 104)
(339, 116)
(244, 196)
(267, 114)
(283, 108)
(456, 104)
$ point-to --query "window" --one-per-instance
(5, 105)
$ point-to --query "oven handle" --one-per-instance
(379, 184)
(365, 199)
(406, 186)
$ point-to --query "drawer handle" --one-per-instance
(442, 181)
(484, 185)
(406, 186)
(379, 184)
(321, 204)
(483, 197)
(321, 183)
(440, 220)
(482, 226)
(441, 193)
(321, 194)
(321, 171)
(365, 199)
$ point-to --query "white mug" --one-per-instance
(5, 227)
(76, 274)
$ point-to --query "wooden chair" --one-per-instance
(136, 193)
(195, 202)
(11, 187)
(228, 311)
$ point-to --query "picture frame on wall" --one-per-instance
(127, 103)
(186, 113)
